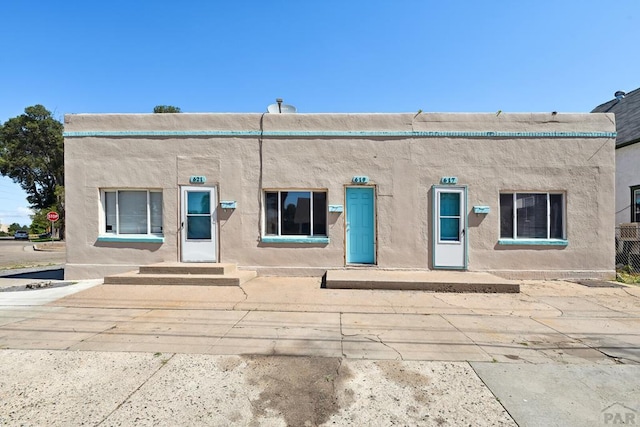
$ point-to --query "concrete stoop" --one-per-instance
(196, 274)
(434, 281)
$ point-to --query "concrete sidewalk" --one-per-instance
(548, 322)
(496, 336)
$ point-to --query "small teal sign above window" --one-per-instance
(197, 179)
(360, 179)
(449, 180)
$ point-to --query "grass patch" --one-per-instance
(15, 267)
(23, 266)
(628, 275)
(628, 278)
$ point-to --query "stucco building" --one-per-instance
(518, 195)
(626, 108)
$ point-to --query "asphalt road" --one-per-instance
(20, 254)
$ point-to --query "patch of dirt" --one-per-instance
(592, 283)
(302, 390)
(229, 364)
(394, 371)
(50, 247)
(35, 286)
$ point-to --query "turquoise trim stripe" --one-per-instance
(293, 239)
(131, 239)
(534, 242)
(163, 133)
(342, 134)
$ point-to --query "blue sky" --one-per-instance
(321, 56)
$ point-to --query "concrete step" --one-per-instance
(434, 281)
(188, 268)
(235, 278)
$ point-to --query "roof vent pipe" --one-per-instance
(619, 95)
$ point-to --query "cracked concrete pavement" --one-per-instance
(508, 353)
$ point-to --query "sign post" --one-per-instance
(53, 217)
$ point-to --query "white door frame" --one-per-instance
(450, 252)
(202, 248)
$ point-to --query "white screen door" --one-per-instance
(199, 224)
(449, 227)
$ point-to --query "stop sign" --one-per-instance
(53, 216)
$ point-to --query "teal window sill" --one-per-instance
(295, 239)
(534, 242)
(131, 239)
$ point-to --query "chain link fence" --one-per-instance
(628, 246)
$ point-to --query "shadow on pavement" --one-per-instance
(53, 274)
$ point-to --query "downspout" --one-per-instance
(260, 155)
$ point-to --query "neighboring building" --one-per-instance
(626, 108)
(519, 195)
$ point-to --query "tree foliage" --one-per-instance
(15, 227)
(39, 222)
(166, 109)
(32, 154)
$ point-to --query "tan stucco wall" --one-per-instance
(627, 175)
(403, 169)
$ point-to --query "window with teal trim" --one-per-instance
(532, 216)
(132, 212)
(296, 213)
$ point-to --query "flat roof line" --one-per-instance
(342, 134)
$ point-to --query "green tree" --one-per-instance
(14, 227)
(59, 207)
(166, 109)
(39, 222)
(32, 154)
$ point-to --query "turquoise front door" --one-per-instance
(360, 233)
